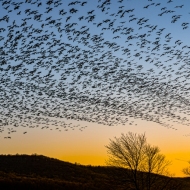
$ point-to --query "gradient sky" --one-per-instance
(88, 146)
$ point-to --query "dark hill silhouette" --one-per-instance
(41, 172)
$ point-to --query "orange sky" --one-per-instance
(88, 147)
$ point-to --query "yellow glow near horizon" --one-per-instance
(88, 147)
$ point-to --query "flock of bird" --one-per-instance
(94, 61)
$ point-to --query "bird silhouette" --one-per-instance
(100, 62)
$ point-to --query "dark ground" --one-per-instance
(41, 172)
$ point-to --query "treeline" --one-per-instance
(41, 172)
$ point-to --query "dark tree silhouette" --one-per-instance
(144, 162)
(186, 170)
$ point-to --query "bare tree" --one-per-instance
(144, 162)
(186, 170)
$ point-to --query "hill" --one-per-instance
(41, 172)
